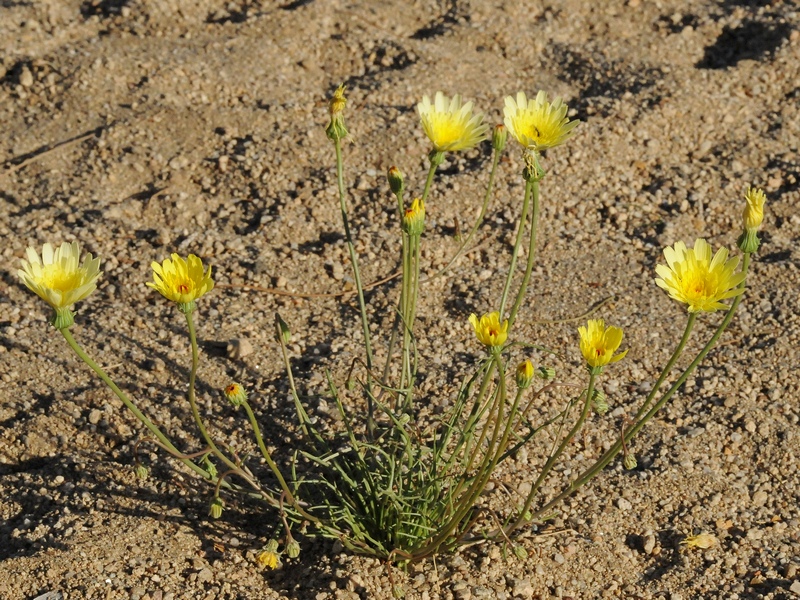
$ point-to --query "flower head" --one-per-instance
(598, 343)
(524, 374)
(450, 125)
(537, 124)
(488, 329)
(694, 277)
(182, 281)
(235, 394)
(268, 558)
(414, 217)
(754, 210)
(59, 277)
(336, 130)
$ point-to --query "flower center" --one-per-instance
(56, 278)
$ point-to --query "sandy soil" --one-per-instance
(141, 128)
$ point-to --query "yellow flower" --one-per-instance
(702, 541)
(598, 343)
(694, 277)
(59, 277)
(336, 130)
(414, 217)
(182, 281)
(538, 124)
(449, 124)
(524, 374)
(235, 394)
(488, 329)
(337, 102)
(268, 558)
(754, 211)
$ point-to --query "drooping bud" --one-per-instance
(269, 557)
(141, 471)
(215, 510)
(396, 182)
(293, 549)
(524, 374)
(520, 553)
(599, 402)
(629, 461)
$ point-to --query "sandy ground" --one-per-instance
(142, 128)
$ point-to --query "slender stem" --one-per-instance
(520, 232)
(614, 450)
(555, 455)
(130, 405)
(429, 180)
(486, 198)
(351, 249)
(193, 401)
(523, 288)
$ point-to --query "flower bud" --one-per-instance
(210, 467)
(235, 394)
(414, 218)
(141, 472)
(499, 137)
(520, 553)
(629, 462)
(546, 373)
(524, 374)
(284, 331)
(752, 216)
(293, 549)
(396, 182)
(215, 511)
(599, 402)
(336, 130)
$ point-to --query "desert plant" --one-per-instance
(387, 483)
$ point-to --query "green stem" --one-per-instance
(351, 249)
(429, 180)
(520, 232)
(357, 277)
(555, 455)
(614, 450)
(193, 401)
(486, 198)
(131, 406)
(523, 288)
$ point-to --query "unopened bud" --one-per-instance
(404, 419)
(336, 130)
(520, 553)
(396, 182)
(414, 218)
(215, 511)
(141, 472)
(524, 374)
(499, 137)
(599, 402)
(293, 549)
(235, 394)
(350, 384)
(546, 373)
(283, 330)
(210, 467)
(629, 462)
